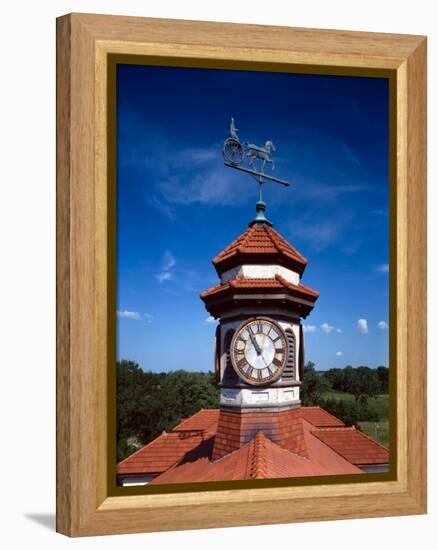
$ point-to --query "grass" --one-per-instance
(377, 430)
(339, 395)
(380, 402)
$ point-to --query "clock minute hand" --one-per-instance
(255, 344)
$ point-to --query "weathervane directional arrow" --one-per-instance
(258, 174)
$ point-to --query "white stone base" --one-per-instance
(260, 272)
(259, 397)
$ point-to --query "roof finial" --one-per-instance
(260, 217)
(235, 154)
(260, 208)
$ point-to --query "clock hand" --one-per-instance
(254, 343)
(262, 349)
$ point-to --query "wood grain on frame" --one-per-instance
(83, 45)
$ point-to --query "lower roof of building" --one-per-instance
(185, 453)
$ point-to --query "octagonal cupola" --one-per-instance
(259, 302)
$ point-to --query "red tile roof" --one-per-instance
(160, 454)
(279, 284)
(205, 419)
(221, 445)
(169, 448)
(353, 445)
(284, 428)
(320, 417)
(258, 459)
(258, 241)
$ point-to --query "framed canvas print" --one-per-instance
(241, 274)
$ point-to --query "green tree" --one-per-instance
(348, 377)
(313, 385)
(335, 378)
(383, 376)
(149, 402)
(364, 384)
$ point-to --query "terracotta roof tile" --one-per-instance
(170, 448)
(353, 445)
(205, 419)
(259, 240)
(260, 458)
(159, 455)
(263, 285)
(221, 445)
(320, 417)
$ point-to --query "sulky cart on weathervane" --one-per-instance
(236, 152)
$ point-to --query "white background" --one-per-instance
(27, 289)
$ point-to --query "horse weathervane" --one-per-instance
(236, 152)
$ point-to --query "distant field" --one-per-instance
(381, 402)
(377, 430)
(339, 395)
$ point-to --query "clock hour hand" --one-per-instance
(254, 343)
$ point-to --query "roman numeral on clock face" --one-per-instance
(252, 372)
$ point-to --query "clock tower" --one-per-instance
(259, 302)
(259, 353)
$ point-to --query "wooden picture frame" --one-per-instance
(84, 44)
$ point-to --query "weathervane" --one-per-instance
(235, 153)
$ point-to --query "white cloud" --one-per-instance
(382, 268)
(339, 353)
(168, 260)
(321, 234)
(339, 330)
(196, 176)
(211, 186)
(129, 315)
(183, 175)
(327, 192)
(326, 328)
(309, 328)
(168, 264)
(322, 227)
(162, 207)
(125, 314)
(210, 319)
(382, 325)
(164, 276)
(199, 155)
(362, 326)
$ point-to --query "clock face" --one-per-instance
(259, 351)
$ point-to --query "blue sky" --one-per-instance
(178, 205)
